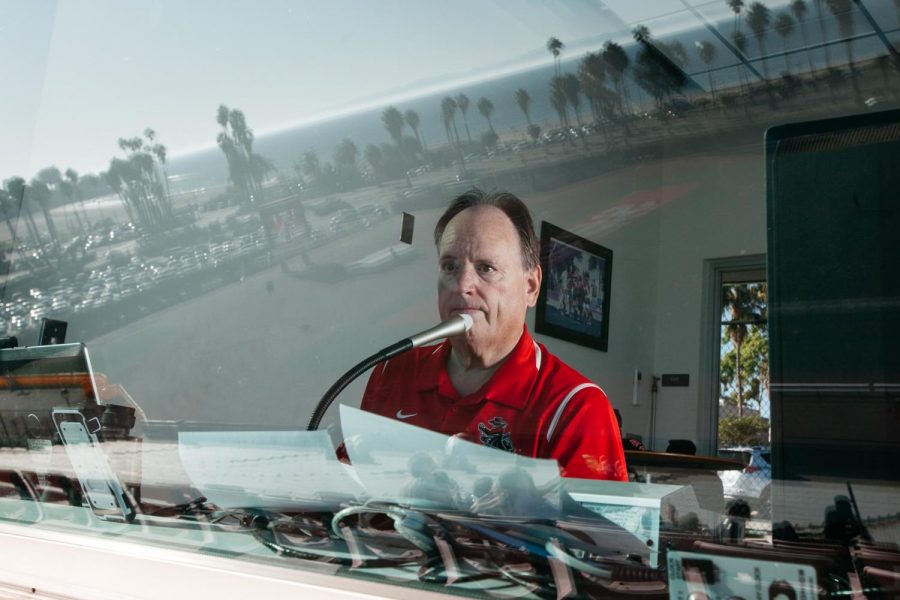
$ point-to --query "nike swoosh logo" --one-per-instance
(402, 416)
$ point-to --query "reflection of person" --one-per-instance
(496, 385)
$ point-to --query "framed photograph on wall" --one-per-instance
(573, 304)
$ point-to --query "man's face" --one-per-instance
(480, 272)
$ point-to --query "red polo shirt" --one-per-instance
(534, 405)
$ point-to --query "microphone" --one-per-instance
(456, 325)
(453, 326)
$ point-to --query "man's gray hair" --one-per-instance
(511, 206)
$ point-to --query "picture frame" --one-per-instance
(573, 302)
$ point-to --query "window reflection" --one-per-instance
(220, 291)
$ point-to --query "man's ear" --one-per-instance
(532, 285)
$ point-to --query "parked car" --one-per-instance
(753, 482)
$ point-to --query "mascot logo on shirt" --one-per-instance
(495, 435)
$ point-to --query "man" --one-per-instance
(495, 385)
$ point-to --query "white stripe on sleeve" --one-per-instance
(564, 403)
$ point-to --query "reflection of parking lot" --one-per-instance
(753, 482)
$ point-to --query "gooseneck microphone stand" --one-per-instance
(456, 325)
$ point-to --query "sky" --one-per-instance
(84, 73)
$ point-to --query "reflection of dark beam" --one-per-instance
(731, 48)
(877, 29)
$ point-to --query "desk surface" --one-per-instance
(644, 458)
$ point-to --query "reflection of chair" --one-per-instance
(681, 447)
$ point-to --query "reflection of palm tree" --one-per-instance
(821, 19)
(617, 60)
(592, 75)
(784, 27)
(448, 116)
(707, 54)
(392, 120)
(758, 18)
(554, 46)
(843, 12)
(486, 108)
(572, 90)
(462, 101)
(558, 101)
(798, 7)
(524, 102)
(412, 119)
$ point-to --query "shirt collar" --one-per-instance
(510, 385)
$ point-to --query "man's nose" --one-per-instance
(466, 278)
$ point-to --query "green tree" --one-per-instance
(758, 19)
(749, 430)
(554, 47)
(744, 307)
(784, 27)
(462, 102)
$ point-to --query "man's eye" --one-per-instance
(486, 268)
(448, 267)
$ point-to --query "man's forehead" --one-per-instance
(483, 225)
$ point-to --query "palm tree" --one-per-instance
(572, 90)
(843, 12)
(707, 54)
(18, 191)
(41, 193)
(736, 6)
(412, 119)
(375, 158)
(486, 108)
(784, 27)
(42, 187)
(448, 116)
(742, 303)
(462, 101)
(758, 19)
(554, 47)
(617, 62)
(392, 120)
(524, 102)
(799, 9)
(10, 211)
(820, 17)
(558, 101)
(591, 76)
